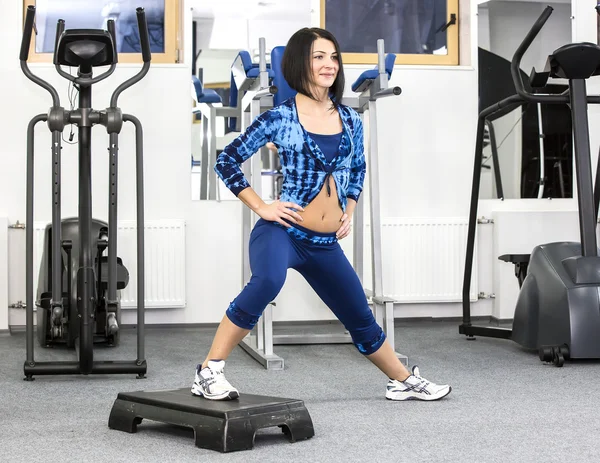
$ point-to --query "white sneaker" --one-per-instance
(415, 387)
(210, 382)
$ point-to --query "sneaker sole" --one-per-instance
(402, 396)
(231, 395)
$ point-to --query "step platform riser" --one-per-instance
(224, 426)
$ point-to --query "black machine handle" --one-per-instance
(60, 28)
(24, 55)
(113, 33)
(143, 29)
(515, 65)
(27, 31)
(146, 56)
(598, 9)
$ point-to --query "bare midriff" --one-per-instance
(323, 213)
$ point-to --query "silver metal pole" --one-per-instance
(373, 167)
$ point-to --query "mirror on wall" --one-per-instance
(221, 30)
(528, 152)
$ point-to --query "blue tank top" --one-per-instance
(328, 144)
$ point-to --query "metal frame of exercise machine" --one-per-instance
(246, 86)
(383, 305)
(581, 267)
(84, 118)
(494, 152)
(260, 341)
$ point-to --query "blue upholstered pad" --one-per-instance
(372, 74)
(284, 91)
(210, 96)
(205, 95)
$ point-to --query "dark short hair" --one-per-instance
(296, 63)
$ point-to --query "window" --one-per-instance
(417, 31)
(162, 17)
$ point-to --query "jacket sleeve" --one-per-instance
(228, 165)
(358, 166)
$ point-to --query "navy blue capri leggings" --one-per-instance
(319, 258)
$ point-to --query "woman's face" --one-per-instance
(325, 64)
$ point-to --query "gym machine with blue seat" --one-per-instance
(78, 300)
(245, 79)
(557, 312)
(370, 86)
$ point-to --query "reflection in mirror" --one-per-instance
(528, 151)
(226, 67)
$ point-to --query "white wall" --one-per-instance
(426, 141)
(3, 275)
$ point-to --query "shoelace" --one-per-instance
(423, 383)
(219, 378)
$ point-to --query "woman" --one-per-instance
(320, 143)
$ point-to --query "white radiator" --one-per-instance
(164, 261)
(424, 259)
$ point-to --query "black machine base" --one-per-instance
(109, 367)
(225, 426)
(486, 331)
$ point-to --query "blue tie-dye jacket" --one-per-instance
(304, 166)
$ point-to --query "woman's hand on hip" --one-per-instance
(345, 227)
(278, 211)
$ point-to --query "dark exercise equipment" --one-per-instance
(77, 297)
(546, 157)
(225, 426)
(558, 309)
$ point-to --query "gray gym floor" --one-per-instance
(506, 406)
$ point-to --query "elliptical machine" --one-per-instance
(558, 308)
(78, 300)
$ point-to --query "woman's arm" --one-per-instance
(358, 166)
(228, 168)
(228, 163)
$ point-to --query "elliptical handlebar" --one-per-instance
(146, 56)
(144, 38)
(515, 65)
(24, 55)
(60, 28)
(27, 31)
(110, 26)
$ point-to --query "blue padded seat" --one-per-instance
(284, 91)
(252, 71)
(205, 95)
(210, 96)
(372, 74)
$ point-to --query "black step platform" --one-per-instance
(226, 426)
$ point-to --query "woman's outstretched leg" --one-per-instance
(228, 336)
(271, 254)
(331, 275)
